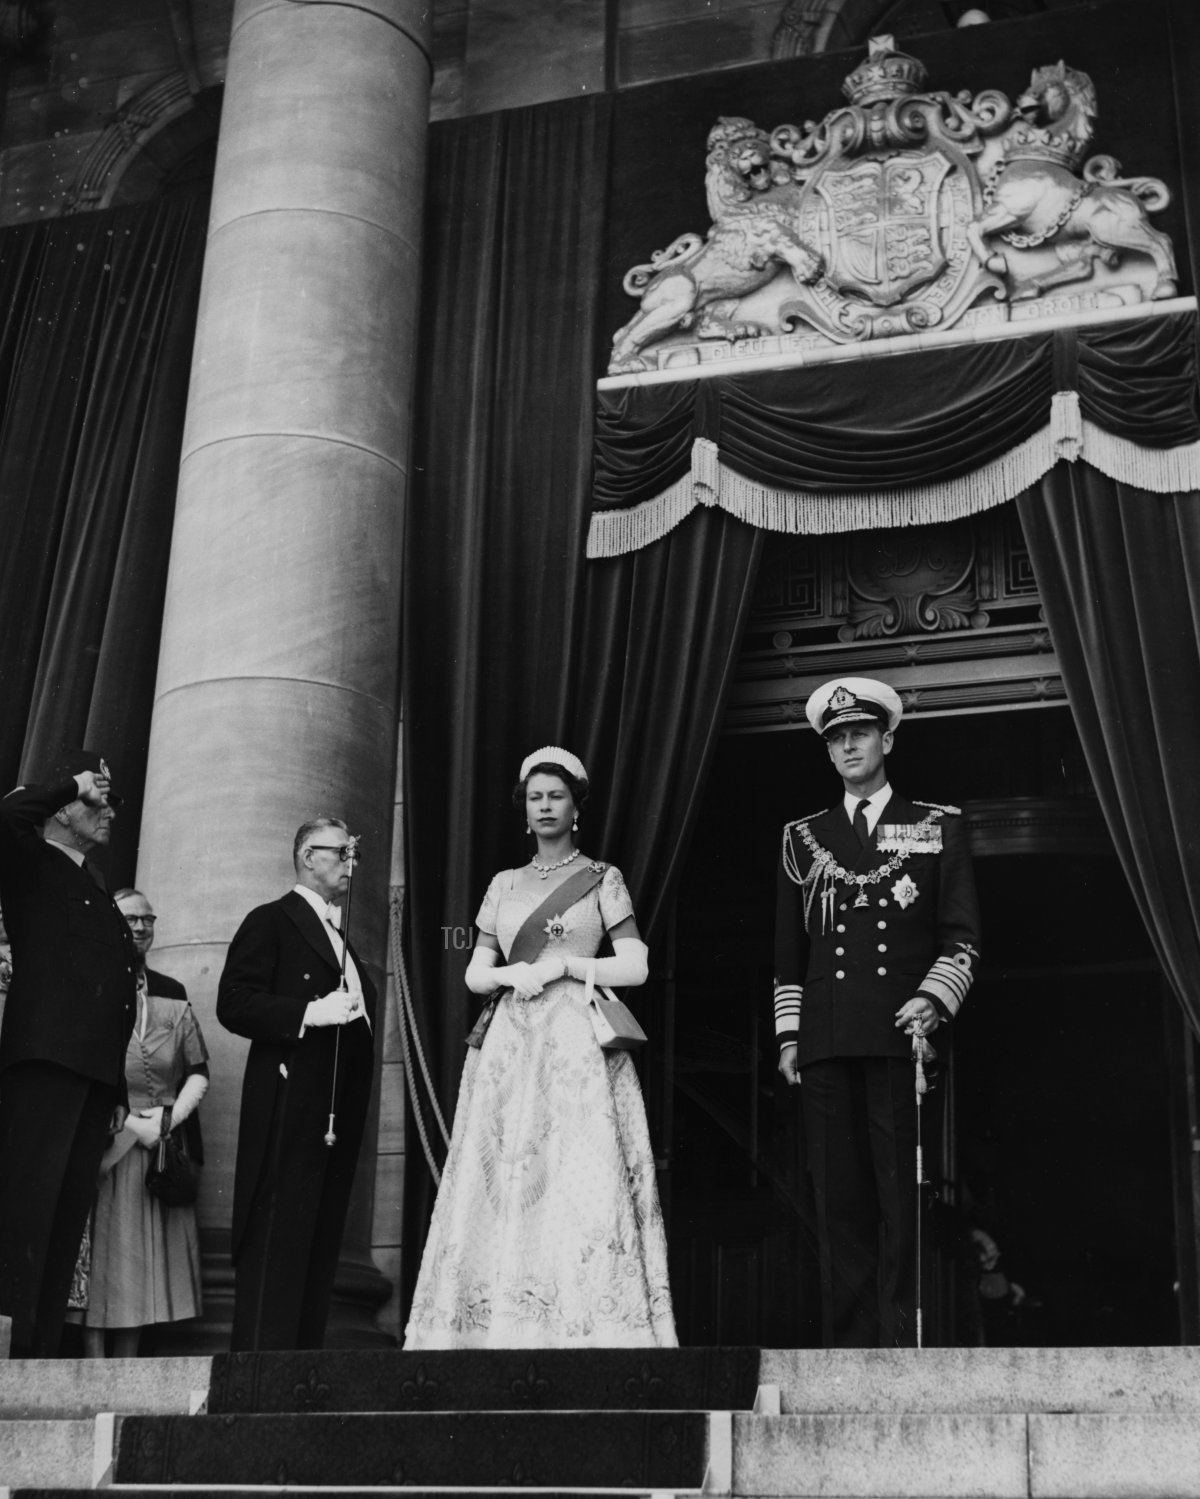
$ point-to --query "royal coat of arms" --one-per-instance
(903, 211)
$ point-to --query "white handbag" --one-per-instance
(613, 1022)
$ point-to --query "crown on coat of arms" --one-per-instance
(884, 74)
(1033, 144)
(1057, 110)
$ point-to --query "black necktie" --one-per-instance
(860, 823)
(95, 875)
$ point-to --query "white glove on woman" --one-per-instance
(628, 967)
(195, 1086)
(526, 980)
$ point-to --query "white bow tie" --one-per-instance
(333, 915)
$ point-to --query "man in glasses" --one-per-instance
(296, 990)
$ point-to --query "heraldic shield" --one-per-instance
(903, 210)
(891, 227)
(882, 224)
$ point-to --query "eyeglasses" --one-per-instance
(143, 920)
(344, 851)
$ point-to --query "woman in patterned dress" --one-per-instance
(547, 1231)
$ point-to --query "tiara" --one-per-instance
(551, 754)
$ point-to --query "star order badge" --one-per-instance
(904, 892)
(554, 927)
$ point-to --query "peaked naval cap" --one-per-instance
(853, 700)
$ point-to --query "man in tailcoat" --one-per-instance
(310, 1056)
(67, 1022)
(876, 945)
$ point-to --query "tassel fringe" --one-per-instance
(1160, 470)
(1066, 425)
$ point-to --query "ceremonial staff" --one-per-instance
(351, 860)
(920, 1050)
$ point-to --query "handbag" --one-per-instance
(480, 1029)
(172, 1176)
(613, 1022)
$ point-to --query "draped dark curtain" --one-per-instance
(916, 418)
(1118, 572)
(97, 315)
(494, 541)
(657, 649)
(658, 644)
(511, 640)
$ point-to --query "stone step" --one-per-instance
(487, 1449)
(600, 1379)
(983, 1380)
(187, 1491)
(968, 1456)
(47, 1389)
(34, 1453)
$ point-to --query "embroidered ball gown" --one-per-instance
(547, 1232)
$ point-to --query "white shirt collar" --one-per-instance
(874, 808)
(325, 912)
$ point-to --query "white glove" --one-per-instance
(481, 971)
(336, 1008)
(526, 980)
(194, 1088)
(627, 968)
(145, 1130)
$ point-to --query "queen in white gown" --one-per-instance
(547, 1231)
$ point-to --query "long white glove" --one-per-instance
(526, 980)
(195, 1086)
(628, 967)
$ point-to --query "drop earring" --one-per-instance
(529, 829)
(575, 824)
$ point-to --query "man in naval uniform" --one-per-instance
(876, 945)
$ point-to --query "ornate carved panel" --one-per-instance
(911, 580)
(949, 614)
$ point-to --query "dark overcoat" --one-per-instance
(278, 961)
(73, 997)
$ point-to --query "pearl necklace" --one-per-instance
(544, 869)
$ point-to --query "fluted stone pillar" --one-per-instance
(278, 682)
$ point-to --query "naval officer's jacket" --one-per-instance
(859, 931)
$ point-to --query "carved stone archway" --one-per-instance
(163, 135)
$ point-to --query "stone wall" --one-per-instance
(102, 85)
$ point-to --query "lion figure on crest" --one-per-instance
(1036, 196)
(699, 282)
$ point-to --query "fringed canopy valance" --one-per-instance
(902, 440)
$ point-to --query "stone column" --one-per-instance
(278, 681)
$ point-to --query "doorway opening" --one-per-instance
(1056, 1213)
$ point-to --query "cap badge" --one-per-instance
(104, 770)
(840, 699)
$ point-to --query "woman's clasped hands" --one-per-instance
(145, 1127)
(527, 980)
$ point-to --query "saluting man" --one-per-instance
(876, 945)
